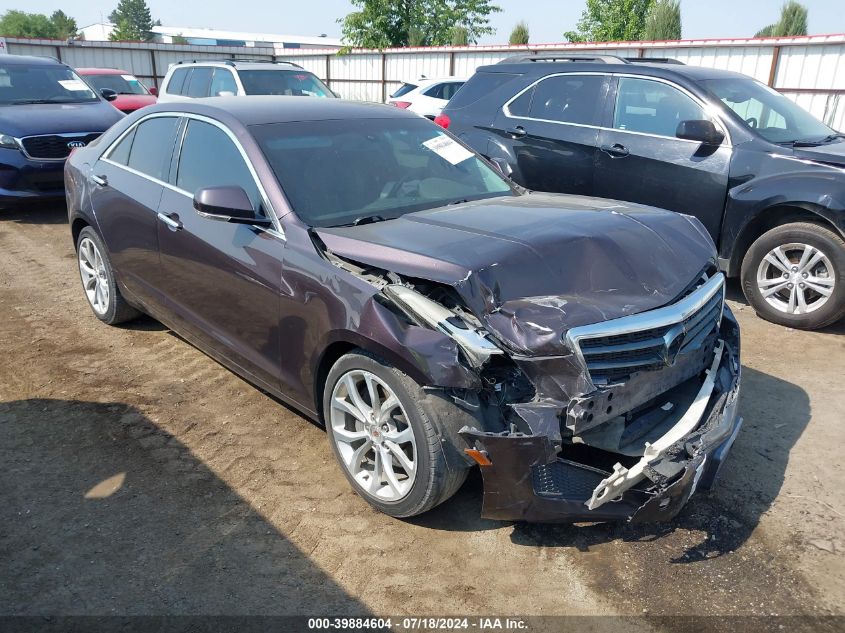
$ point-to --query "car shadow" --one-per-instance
(775, 414)
(36, 213)
(105, 512)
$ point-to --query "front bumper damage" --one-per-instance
(528, 477)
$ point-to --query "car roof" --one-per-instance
(262, 109)
(101, 71)
(240, 64)
(665, 68)
(427, 81)
(20, 60)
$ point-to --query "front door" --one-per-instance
(641, 159)
(126, 191)
(222, 279)
(549, 133)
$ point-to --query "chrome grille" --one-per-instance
(53, 146)
(650, 341)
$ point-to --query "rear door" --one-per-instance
(222, 279)
(550, 130)
(641, 159)
(129, 180)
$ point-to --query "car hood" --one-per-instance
(57, 118)
(530, 267)
(832, 153)
(130, 103)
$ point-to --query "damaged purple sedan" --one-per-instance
(365, 267)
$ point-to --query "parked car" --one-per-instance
(363, 266)
(46, 111)
(426, 96)
(131, 93)
(209, 78)
(763, 176)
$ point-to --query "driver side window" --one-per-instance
(653, 107)
(224, 81)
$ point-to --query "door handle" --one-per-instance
(517, 132)
(617, 150)
(171, 220)
(100, 181)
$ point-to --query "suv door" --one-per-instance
(641, 159)
(222, 279)
(129, 180)
(550, 131)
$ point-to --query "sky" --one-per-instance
(546, 19)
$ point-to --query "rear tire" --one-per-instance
(794, 275)
(399, 432)
(98, 280)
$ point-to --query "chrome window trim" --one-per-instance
(721, 124)
(20, 139)
(105, 156)
(660, 317)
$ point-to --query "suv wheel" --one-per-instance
(98, 281)
(385, 443)
(794, 275)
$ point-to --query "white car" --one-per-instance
(232, 77)
(426, 96)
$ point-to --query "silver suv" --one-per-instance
(231, 77)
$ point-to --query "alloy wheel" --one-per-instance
(373, 435)
(796, 278)
(95, 279)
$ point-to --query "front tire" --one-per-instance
(98, 281)
(384, 442)
(794, 275)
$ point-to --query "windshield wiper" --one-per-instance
(368, 219)
(32, 101)
(822, 141)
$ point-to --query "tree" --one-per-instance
(396, 23)
(133, 21)
(23, 24)
(178, 39)
(793, 21)
(611, 21)
(520, 34)
(460, 36)
(663, 21)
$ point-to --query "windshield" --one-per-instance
(298, 83)
(767, 112)
(36, 83)
(341, 172)
(121, 84)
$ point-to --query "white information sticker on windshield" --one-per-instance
(72, 84)
(448, 149)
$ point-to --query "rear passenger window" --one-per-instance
(200, 82)
(120, 152)
(568, 99)
(521, 105)
(653, 107)
(209, 158)
(177, 81)
(152, 146)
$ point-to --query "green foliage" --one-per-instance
(179, 39)
(663, 21)
(611, 21)
(793, 21)
(460, 36)
(396, 23)
(132, 21)
(520, 34)
(21, 24)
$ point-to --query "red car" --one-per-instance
(131, 93)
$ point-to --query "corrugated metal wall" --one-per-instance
(809, 70)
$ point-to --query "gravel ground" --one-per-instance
(141, 477)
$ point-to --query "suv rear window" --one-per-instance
(403, 90)
(478, 86)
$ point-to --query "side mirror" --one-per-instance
(227, 204)
(153, 91)
(702, 131)
(108, 94)
(225, 93)
(502, 166)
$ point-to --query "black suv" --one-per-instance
(764, 176)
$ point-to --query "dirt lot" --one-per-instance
(137, 476)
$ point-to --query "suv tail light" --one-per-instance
(443, 121)
(402, 104)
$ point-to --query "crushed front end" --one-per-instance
(635, 416)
